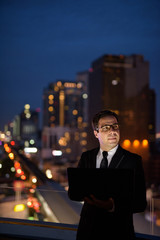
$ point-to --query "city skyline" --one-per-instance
(44, 41)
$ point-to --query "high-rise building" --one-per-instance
(121, 83)
(29, 124)
(63, 104)
(65, 119)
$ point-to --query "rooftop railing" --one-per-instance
(44, 213)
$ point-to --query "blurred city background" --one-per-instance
(38, 144)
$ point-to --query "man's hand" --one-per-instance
(105, 204)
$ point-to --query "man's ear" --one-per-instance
(95, 133)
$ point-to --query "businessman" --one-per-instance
(110, 219)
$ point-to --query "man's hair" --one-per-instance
(101, 114)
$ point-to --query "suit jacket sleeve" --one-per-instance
(139, 200)
(134, 161)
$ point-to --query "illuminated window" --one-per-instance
(75, 112)
(50, 97)
(136, 143)
(66, 108)
(62, 141)
(70, 85)
(67, 135)
(80, 119)
(84, 134)
(27, 106)
(145, 143)
(56, 89)
(150, 127)
(51, 102)
(68, 150)
(83, 142)
(52, 118)
(85, 95)
(59, 83)
(28, 115)
(126, 143)
(79, 85)
(50, 109)
(76, 136)
(114, 82)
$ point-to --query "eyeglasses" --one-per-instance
(107, 128)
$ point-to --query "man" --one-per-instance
(110, 219)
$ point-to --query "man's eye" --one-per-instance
(106, 127)
(116, 126)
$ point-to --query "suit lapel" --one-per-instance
(117, 158)
(93, 158)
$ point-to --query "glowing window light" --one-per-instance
(2, 136)
(0, 165)
(28, 115)
(75, 112)
(80, 119)
(56, 88)
(27, 106)
(57, 153)
(30, 150)
(136, 143)
(126, 143)
(79, 85)
(59, 83)
(68, 150)
(85, 95)
(114, 82)
(84, 134)
(51, 102)
(51, 97)
(83, 142)
(32, 141)
(50, 109)
(8, 133)
(145, 143)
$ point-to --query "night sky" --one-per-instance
(42, 41)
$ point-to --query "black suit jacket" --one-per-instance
(101, 224)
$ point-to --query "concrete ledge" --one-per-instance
(17, 229)
(26, 229)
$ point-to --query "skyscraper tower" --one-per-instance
(121, 83)
(63, 104)
(64, 119)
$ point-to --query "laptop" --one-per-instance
(102, 183)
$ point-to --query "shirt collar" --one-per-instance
(111, 152)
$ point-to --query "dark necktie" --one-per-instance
(104, 162)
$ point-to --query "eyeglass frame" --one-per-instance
(110, 126)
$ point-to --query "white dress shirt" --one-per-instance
(109, 157)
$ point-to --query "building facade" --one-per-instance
(121, 83)
(65, 119)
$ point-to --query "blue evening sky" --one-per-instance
(42, 41)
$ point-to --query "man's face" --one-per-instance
(108, 136)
